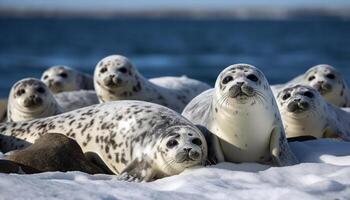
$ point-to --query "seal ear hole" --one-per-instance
(330, 76)
(197, 141)
(123, 70)
(172, 143)
(63, 75)
(103, 70)
(308, 94)
(252, 77)
(286, 96)
(20, 92)
(227, 79)
(311, 78)
(40, 90)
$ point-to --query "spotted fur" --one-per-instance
(131, 137)
(115, 78)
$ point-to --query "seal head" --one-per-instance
(30, 98)
(329, 83)
(181, 147)
(305, 113)
(62, 78)
(115, 78)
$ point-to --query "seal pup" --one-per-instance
(115, 78)
(327, 80)
(305, 113)
(61, 78)
(30, 99)
(139, 140)
(243, 117)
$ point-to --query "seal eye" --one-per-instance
(123, 70)
(63, 75)
(252, 77)
(286, 96)
(45, 77)
(171, 143)
(311, 78)
(227, 79)
(20, 92)
(103, 70)
(308, 94)
(197, 141)
(330, 76)
(41, 90)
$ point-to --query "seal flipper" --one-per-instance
(137, 171)
(279, 148)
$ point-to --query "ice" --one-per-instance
(323, 174)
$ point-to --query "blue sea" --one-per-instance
(169, 46)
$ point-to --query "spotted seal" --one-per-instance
(305, 112)
(115, 78)
(136, 139)
(243, 117)
(327, 80)
(30, 99)
(62, 78)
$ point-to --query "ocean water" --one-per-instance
(159, 47)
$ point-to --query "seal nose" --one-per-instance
(240, 83)
(187, 150)
(297, 100)
(112, 76)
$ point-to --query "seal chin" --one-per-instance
(298, 106)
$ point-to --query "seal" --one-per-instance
(327, 80)
(305, 113)
(115, 78)
(61, 78)
(138, 140)
(30, 99)
(243, 118)
(54, 152)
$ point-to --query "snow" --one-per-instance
(323, 174)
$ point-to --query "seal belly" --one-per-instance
(246, 139)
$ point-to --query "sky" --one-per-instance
(165, 4)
